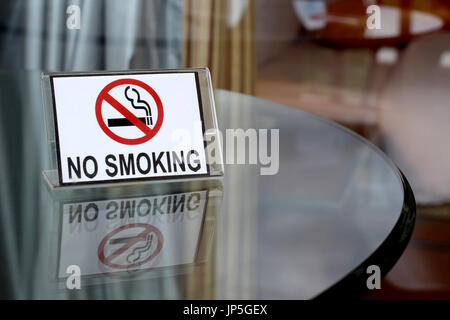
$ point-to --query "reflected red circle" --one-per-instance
(149, 227)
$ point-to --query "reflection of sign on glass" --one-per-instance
(131, 234)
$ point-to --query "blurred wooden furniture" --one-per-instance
(400, 21)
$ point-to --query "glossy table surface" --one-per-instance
(336, 206)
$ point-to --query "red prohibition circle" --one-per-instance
(104, 95)
(147, 229)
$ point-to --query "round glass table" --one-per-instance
(336, 206)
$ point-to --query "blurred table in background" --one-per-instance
(348, 23)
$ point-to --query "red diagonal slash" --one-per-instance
(126, 113)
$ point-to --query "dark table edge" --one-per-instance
(385, 256)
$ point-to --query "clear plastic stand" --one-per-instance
(51, 174)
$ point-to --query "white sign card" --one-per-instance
(122, 127)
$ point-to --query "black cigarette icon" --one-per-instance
(136, 103)
(124, 122)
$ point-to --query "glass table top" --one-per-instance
(336, 205)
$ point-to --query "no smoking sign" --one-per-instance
(140, 96)
(112, 127)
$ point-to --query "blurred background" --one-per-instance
(390, 85)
